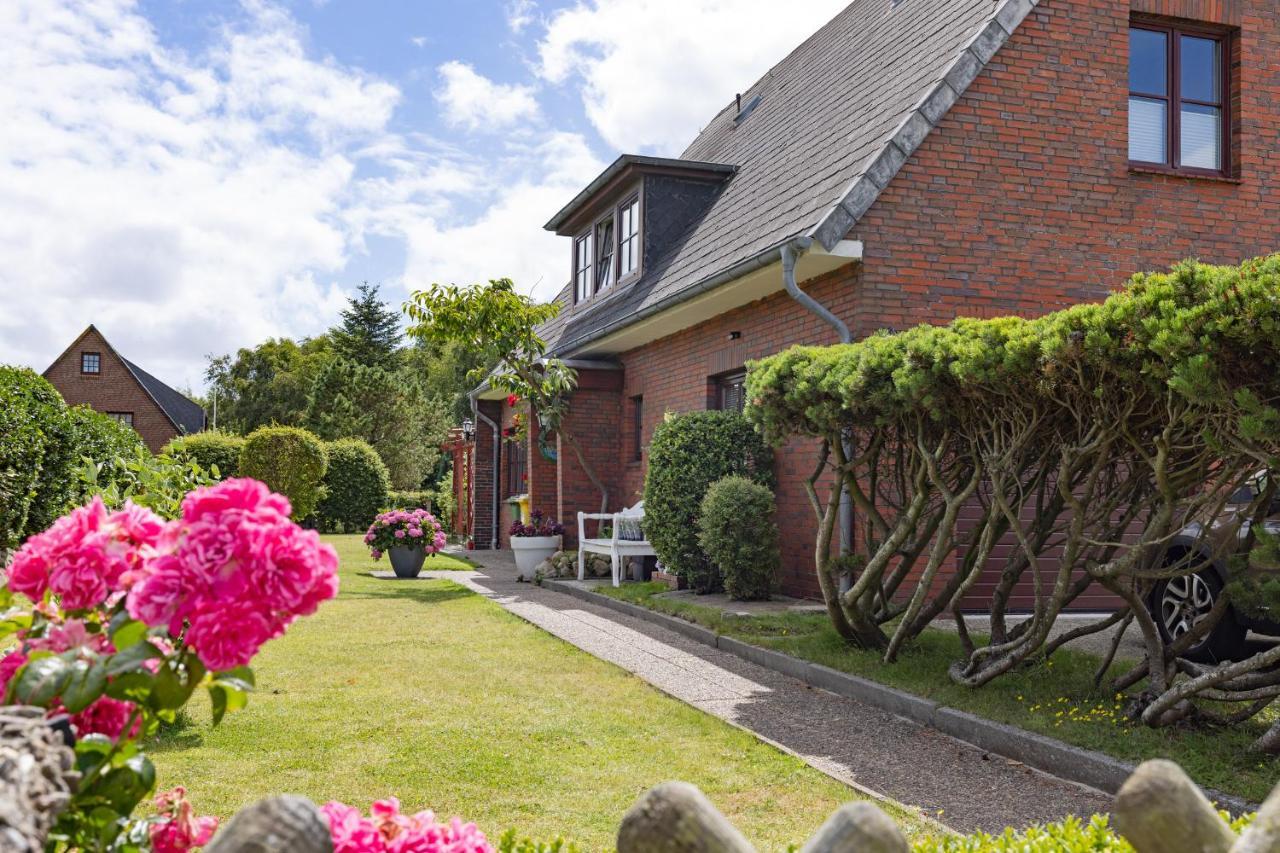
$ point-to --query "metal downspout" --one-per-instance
(493, 428)
(791, 252)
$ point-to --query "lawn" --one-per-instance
(1055, 698)
(425, 691)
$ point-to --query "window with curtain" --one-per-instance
(1177, 98)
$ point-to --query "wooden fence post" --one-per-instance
(1160, 809)
(858, 828)
(675, 817)
(285, 824)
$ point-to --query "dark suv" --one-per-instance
(1179, 603)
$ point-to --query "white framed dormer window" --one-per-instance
(609, 252)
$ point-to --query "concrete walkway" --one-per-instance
(862, 746)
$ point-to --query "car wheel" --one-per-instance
(1179, 603)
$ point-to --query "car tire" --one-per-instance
(1178, 603)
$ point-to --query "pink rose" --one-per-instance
(159, 598)
(29, 573)
(351, 832)
(9, 664)
(179, 830)
(229, 636)
(106, 716)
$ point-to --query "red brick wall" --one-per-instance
(114, 389)
(595, 420)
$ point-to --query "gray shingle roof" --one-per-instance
(836, 120)
(186, 414)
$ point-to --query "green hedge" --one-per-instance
(688, 453)
(106, 443)
(291, 461)
(356, 486)
(738, 534)
(402, 499)
(26, 410)
(215, 451)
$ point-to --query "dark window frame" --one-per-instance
(590, 235)
(637, 428)
(1173, 96)
(125, 418)
(516, 467)
(729, 391)
(97, 360)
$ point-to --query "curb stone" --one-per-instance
(1043, 753)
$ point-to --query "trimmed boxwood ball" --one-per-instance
(688, 453)
(356, 486)
(289, 460)
(210, 449)
(738, 534)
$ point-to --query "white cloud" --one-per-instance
(653, 72)
(475, 102)
(520, 14)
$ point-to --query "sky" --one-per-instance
(195, 176)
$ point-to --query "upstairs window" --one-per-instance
(91, 363)
(582, 268)
(1178, 98)
(629, 238)
(604, 265)
(609, 251)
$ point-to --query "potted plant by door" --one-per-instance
(534, 542)
(409, 536)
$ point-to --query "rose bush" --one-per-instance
(130, 614)
(387, 830)
(405, 528)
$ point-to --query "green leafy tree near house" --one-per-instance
(266, 384)
(369, 333)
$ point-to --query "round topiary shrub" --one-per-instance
(210, 449)
(356, 486)
(688, 453)
(289, 460)
(738, 534)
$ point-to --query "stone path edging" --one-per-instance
(1049, 755)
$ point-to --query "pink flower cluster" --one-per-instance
(386, 830)
(178, 829)
(412, 528)
(87, 555)
(237, 570)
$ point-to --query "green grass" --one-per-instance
(425, 691)
(1055, 698)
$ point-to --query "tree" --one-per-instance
(369, 333)
(501, 325)
(267, 384)
(388, 410)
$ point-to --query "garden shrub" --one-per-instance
(104, 442)
(25, 410)
(737, 532)
(401, 499)
(55, 488)
(158, 483)
(289, 460)
(356, 486)
(688, 453)
(215, 451)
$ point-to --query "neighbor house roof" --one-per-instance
(835, 121)
(186, 414)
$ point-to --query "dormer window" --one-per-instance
(604, 242)
(582, 268)
(629, 238)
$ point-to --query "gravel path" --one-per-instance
(865, 747)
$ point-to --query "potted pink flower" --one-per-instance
(534, 542)
(408, 535)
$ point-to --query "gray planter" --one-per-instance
(407, 562)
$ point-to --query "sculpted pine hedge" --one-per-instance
(1085, 440)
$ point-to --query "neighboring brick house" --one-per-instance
(924, 159)
(90, 371)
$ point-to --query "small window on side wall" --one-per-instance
(91, 363)
(1178, 97)
(125, 418)
(731, 392)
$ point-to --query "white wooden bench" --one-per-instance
(615, 546)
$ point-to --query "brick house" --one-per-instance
(917, 160)
(90, 371)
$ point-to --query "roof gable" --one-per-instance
(835, 121)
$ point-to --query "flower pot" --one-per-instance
(530, 551)
(407, 562)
